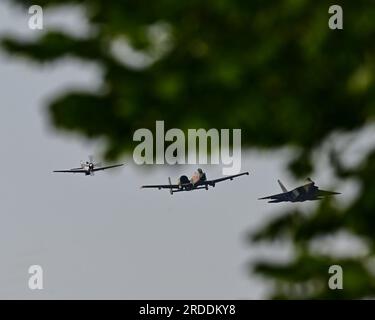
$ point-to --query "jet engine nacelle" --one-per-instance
(184, 180)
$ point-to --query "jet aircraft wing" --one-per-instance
(161, 186)
(108, 167)
(71, 171)
(278, 197)
(211, 182)
(322, 193)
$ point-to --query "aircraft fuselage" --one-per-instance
(187, 184)
(304, 193)
(88, 167)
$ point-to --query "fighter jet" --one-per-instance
(88, 168)
(197, 182)
(307, 192)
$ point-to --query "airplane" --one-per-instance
(307, 192)
(197, 182)
(88, 168)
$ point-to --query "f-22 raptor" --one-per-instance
(307, 192)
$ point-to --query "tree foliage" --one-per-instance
(272, 68)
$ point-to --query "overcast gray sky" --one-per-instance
(103, 237)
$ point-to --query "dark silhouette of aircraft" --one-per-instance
(307, 192)
(88, 168)
(197, 182)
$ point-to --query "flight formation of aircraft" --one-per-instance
(199, 181)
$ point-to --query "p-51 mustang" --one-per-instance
(307, 192)
(88, 168)
(197, 182)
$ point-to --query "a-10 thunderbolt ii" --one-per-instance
(307, 192)
(197, 182)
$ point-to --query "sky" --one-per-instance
(103, 237)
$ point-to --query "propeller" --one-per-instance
(92, 165)
(91, 161)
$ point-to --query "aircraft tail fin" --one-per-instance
(282, 186)
(309, 181)
(170, 183)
